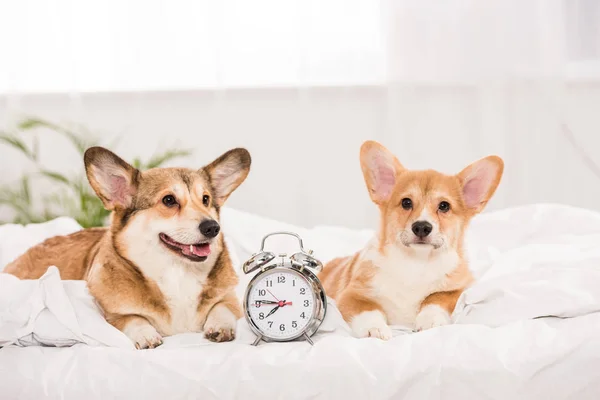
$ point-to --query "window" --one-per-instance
(118, 45)
(582, 19)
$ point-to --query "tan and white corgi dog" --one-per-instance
(414, 269)
(162, 266)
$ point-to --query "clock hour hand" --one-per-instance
(266, 302)
(274, 309)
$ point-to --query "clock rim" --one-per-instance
(319, 300)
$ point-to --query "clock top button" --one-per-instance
(283, 257)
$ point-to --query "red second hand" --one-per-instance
(280, 304)
(272, 295)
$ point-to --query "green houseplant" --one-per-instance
(72, 196)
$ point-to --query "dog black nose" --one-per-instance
(209, 228)
(422, 229)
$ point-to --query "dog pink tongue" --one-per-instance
(199, 250)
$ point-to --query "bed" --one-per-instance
(528, 329)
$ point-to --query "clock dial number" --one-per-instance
(281, 304)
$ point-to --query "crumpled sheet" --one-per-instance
(51, 312)
(528, 329)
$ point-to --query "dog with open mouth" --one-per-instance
(162, 266)
(414, 270)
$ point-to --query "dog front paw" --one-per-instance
(383, 333)
(143, 335)
(432, 316)
(220, 325)
(371, 324)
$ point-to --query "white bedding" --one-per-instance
(529, 329)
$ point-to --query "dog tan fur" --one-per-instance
(414, 270)
(161, 267)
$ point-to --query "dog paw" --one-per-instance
(220, 325)
(383, 333)
(220, 334)
(371, 324)
(143, 336)
(432, 316)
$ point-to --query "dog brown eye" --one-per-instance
(205, 200)
(169, 201)
(407, 203)
(444, 206)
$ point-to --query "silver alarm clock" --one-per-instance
(285, 301)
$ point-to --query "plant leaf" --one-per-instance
(35, 152)
(30, 123)
(5, 195)
(23, 213)
(81, 142)
(159, 159)
(18, 144)
(90, 211)
(25, 191)
(55, 176)
(137, 163)
(49, 215)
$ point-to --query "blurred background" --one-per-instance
(301, 84)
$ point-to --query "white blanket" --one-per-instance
(528, 329)
(51, 312)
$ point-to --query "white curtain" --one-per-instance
(511, 77)
(131, 45)
(441, 83)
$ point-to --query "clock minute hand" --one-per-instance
(279, 305)
(272, 311)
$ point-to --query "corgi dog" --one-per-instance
(162, 266)
(413, 270)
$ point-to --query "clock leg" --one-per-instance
(308, 339)
(257, 341)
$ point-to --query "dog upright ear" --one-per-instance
(228, 172)
(113, 180)
(380, 169)
(480, 180)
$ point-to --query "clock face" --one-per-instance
(281, 304)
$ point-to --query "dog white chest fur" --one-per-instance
(404, 279)
(181, 287)
(180, 282)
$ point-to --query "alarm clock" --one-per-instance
(285, 301)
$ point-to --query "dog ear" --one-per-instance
(113, 180)
(380, 170)
(480, 180)
(227, 172)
